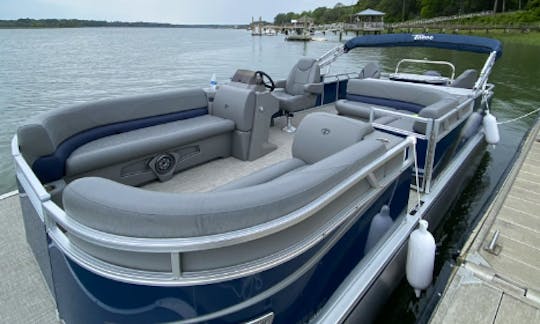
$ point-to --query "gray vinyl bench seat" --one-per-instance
(366, 94)
(137, 139)
(320, 161)
(126, 146)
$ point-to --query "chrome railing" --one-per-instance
(436, 129)
(425, 61)
(28, 180)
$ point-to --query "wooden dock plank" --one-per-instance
(525, 194)
(517, 232)
(514, 311)
(465, 303)
(530, 176)
(525, 206)
(531, 168)
(517, 250)
(508, 267)
(518, 217)
(529, 185)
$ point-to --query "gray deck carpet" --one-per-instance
(218, 172)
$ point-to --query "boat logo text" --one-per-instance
(422, 37)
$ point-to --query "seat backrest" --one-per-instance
(43, 134)
(236, 104)
(466, 79)
(371, 70)
(405, 92)
(305, 71)
(321, 134)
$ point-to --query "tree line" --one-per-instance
(401, 10)
(74, 23)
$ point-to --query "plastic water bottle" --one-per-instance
(213, 82)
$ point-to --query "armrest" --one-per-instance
(316, 88)
(280, 83)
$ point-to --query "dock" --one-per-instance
(24, 297)
(497, 279)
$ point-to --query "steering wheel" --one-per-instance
(268, 82)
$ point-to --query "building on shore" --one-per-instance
(369, 21)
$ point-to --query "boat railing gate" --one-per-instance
(60, 227)
(434, 133)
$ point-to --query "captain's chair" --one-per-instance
(300, 90)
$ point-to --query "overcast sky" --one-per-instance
(170, 11)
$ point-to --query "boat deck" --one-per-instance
(498, 280)
(221, 171)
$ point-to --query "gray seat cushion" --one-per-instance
(401, 91)
(294, 103)
(235, 103)
(119, 209)
(371, 70)
(435, 111)
(358, 109)
(466, 80)
(137, 143)
(320, 135)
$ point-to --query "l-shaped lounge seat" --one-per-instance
(366, 94)
(70, 141)
(320, 161)
(129, 139)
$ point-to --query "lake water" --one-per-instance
(43, 69)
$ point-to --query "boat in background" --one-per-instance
(197, 210)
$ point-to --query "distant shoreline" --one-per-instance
(28, 23)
